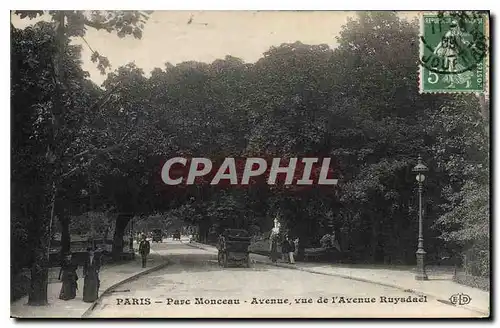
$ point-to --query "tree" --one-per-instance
(378, 130)
(32, 92)
(462, 150)
(66, 24)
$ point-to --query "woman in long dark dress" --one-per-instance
(285, 249)
(274, 246)
(91, 283)
(69, 279)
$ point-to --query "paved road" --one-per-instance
(194, 277)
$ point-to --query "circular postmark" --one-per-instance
(453, 43)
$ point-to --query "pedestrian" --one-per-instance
(91, 268)
(144, 248)
(274, 251)
(273, 241)
(291, 250)
(69, 278)
(296, 246)
(285, 248)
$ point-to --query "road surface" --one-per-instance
(194, 286)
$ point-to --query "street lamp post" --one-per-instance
(420, 169)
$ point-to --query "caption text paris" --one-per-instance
(275, 301)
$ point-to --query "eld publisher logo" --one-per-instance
(460, 299)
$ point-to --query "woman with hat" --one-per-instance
(69, 278)
(91, 282)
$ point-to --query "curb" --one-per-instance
(131, 278)
(359, 279)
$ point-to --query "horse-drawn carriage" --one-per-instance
(176, 235)
(157, 235)
(233, 248)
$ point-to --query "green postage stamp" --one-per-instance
(453, 52)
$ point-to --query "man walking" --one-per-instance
(144, 248)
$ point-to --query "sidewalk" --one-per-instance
(439, 286)
(110, 276)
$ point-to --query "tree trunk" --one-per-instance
(204, 225)
(121, 223)
(37, 295)
(39, 270)
(106, 233)
(39, 278)
(41, 236)
(64, 222)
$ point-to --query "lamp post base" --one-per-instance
(421, 274)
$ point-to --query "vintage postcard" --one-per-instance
(250, 164)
